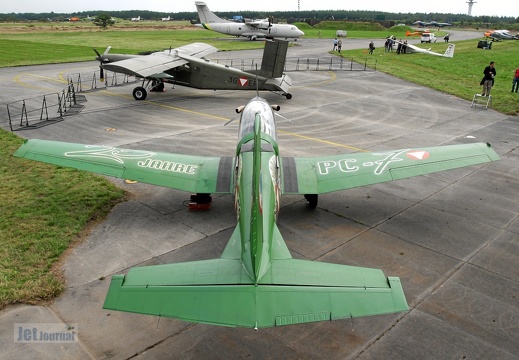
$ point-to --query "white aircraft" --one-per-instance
(497, 35)
(415, 49)
(166, 19)
(137, 18)
(252, 29)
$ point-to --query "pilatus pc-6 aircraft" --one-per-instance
(256, 283)
(251, 29)
(449, 53)
(187, 66)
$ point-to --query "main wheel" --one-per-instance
(312, 200)
(288, 96)
(139, 93)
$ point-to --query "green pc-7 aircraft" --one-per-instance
(256, 283)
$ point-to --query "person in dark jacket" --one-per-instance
(488, 79)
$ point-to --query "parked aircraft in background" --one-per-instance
(137, 18)
(252, 29)
(166, 19)
(431, 24)
(416, 33)
(186, 66)
(449, 53)
(497, 35)
(256, 283)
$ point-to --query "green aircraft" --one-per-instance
(256, 283)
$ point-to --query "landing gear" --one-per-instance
(157, 86)
(288, 96)
(140, 93)
(312, 200)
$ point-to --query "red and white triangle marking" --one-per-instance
(418, 155)
(243, 81)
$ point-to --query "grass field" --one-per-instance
(45, 208)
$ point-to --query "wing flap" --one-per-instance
(146, 65)
(196, 174)
(339, 172)
(157, 64)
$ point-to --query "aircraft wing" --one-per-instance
(220, 292)
(196, 174)
(338, 172)
(156, 64)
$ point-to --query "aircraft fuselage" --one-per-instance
(285, 31)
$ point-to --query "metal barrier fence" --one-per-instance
(41, 110)
(331, 63)
(84, 82)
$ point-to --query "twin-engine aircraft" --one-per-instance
(251, 29)
(449, 53)
(256, 283)
(187, 66)
(431, 24)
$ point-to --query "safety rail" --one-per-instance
(82, 81)
(42, 110)
(307, 64)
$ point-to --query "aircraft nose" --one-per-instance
(301, 33)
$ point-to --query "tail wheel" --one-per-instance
(139, 93)
(288, 96)
(312, 200)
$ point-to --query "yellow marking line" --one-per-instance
(321, 141)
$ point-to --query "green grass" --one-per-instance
(44, 209)
(460, 75)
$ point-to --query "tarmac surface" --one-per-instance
(451, 237)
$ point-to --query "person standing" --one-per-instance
(371, 48)
(339, 45)
(335, 42)
(488, 79)
(515, 82)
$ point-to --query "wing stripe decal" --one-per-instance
(223, 182)
(289, 175)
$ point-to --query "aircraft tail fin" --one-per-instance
(206, 15)
(274, 57)
(450, 51)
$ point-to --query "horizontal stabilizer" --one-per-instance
(220, 292)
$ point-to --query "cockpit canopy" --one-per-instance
(257, 106)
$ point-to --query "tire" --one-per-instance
(288, 96)
(139, 93)
(312, 199)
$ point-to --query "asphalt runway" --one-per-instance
(451, 237)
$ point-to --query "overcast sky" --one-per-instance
(480, 7)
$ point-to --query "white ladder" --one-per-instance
(480, 99)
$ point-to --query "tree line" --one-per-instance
(311, 15)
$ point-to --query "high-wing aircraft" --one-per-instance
(256, 283)
(497, 35)
(415, 49)
(252, 29)
(187, 66)
(432, 24)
